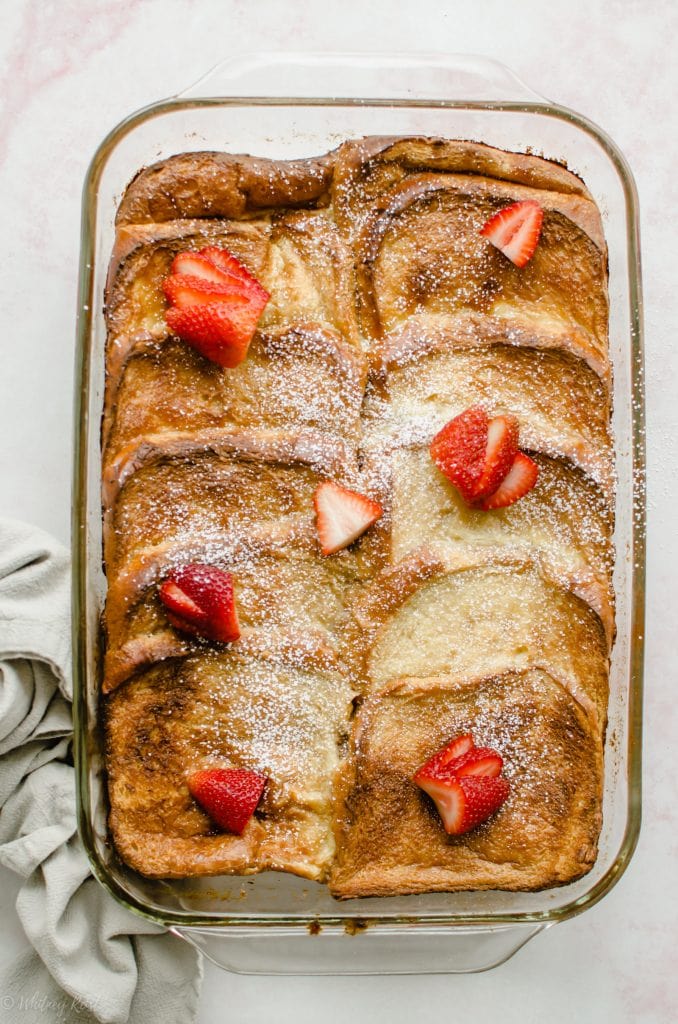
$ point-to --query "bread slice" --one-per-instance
(391, 840)
(307, 344)
(283, 589)
(415, 212)
(304, 376)
(566, 519)
(278, 711)
(183, 484)
(478, 614)
(242, 501)
(426, 385)
(222, 186)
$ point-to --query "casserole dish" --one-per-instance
(295, 926)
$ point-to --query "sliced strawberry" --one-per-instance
(184, 291)
(342, 515)
(520, 479)
(220, 267)
(215, 304)
(501, 450)
(225, 261)
(454, 750)
(257, 295)
(463, 803)
(196, 264)
(459, 450)
(454, 778)
(243, 324)
(229, 795)
(481, 761)
(481, 458)
(199, 600)
(179, 605)
(236, 273)
(515, 230)
(220, 331)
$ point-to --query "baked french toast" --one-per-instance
(311, 590)
(286, 708)
(541, 836)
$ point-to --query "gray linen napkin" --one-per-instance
(90, 959)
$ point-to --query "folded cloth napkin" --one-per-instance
(91, 960)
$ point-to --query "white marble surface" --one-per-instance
(69, 71)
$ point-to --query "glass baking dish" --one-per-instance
(285, 106)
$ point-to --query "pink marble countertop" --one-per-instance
(71, 70)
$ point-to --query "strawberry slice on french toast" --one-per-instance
(199, 600)
(220, 331)
(229, 795)
(466, 802)
(521, 478)
(215, 304)
(515, 230)
(479, 454)
(459, 449)
(465, 783)
(342, 515)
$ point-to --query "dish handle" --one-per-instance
(352, 949)
(414, 76)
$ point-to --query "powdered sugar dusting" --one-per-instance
(389, 315)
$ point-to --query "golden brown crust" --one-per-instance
(225, 709)
(562, 406)
(389, 314)
(324, 385)
(323, 452)
(222, 185)
(545, 834)
(456, 156)
(421, 336)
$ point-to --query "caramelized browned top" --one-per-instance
(544, 834)
(389, 314)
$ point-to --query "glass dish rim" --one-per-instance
(85, 314)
